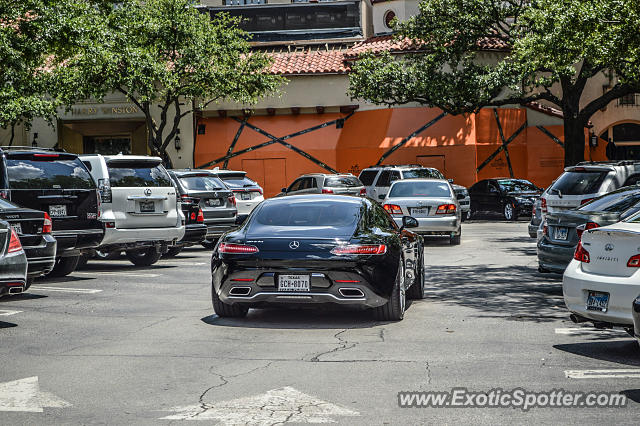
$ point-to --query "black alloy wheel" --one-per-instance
(394, 309)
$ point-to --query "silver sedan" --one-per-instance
(431, 201)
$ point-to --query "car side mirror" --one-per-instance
(409, 222)
(284, 190)
(460, 196)
(450, 180)
(380, 197)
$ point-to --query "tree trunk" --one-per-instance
(573, 141)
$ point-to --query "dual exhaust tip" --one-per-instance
(16, 289)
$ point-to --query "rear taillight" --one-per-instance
(4, 194)
(14, 243)
(192, 216)
(581, 254)
(585, 201)
(446, 209)
(634, 261)
(543, 205)
(186, 199)
(533, 210)
(327, 191)
(363, 192)
(393, 209)
(200, 217)
(259, 190)
(47, 225)
(232, 200)
(358, 249)
(581, 228)
(110, 224)
(545, 228)
(231, 248)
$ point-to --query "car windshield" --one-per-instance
(48, 174)
(135, 175)
(420, 189)
(578, 182)
(202, 183)
(618, 201)
(310, 214)
(516, 185)
(422, 173)
(342, 181)
(237, 181)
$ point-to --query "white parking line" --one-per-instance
(589, 330)
(124, 273)
(633, 373)
(6, 312)
(175, 262)
(67, 290)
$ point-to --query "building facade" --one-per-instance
(313, 125)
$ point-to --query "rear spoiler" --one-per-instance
(42, 156)
(151, 161)
(599, 168)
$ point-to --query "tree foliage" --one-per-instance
(478, 53)
(164, 54)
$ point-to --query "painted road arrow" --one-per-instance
(25, 395)
(284, 405)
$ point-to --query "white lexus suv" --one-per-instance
(139, 207)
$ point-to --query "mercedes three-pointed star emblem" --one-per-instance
(294, 245)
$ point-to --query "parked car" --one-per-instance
(139, 206)
(315, 249)
(586, 181)
(60, 184)
(247, 192)
(431, 202)
(507, 196)
(13, 262)
(217, 202)
(195, 230)
(325, 183)
(33, 228)
(603, 279)
(562, 230)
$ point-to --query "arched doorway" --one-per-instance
(624, 141)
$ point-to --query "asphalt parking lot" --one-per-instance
(116, 344)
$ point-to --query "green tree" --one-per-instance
(168, 59)
(547, 50)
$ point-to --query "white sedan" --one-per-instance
(602, 281)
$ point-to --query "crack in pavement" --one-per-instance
(343, 345)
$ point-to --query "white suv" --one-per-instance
(139, 207)
(247, 191)
(586, 181)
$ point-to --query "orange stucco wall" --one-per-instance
(456, 145)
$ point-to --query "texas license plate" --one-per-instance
(147, 207)
(293, 283)
(245, 196)
(598, 301)
(214, 202)
(17, 227)
(560, 233)
(58, 210)
(420, 211)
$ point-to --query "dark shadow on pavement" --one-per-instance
(622, 351)
(512, 292)
(22, 296)
(108, 266)
(7, 324)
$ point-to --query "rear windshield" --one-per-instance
(367, 177)
(342, 181)
(133, 175)
(237, 181)
(4, 204)
(420, 189)
(578, 183)
(422, 173)
(310, 213)
(614, 202)
(202, 183)
(516, 185)
(48, 174)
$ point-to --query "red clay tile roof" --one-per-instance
(537, 106)
(309, 62)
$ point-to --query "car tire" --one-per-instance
(173, 252)
(82, 262)
(224, 310)
(509, 212)
(455, 240)
(209, 244)
(144, 257)
(416, 291)
(64, 266)
(28, 283)
(394, 309)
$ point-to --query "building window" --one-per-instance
(628, 100)
(388, 18)
(243, 2)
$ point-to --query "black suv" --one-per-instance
(59, 184)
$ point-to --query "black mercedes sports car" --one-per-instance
(317, 249)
